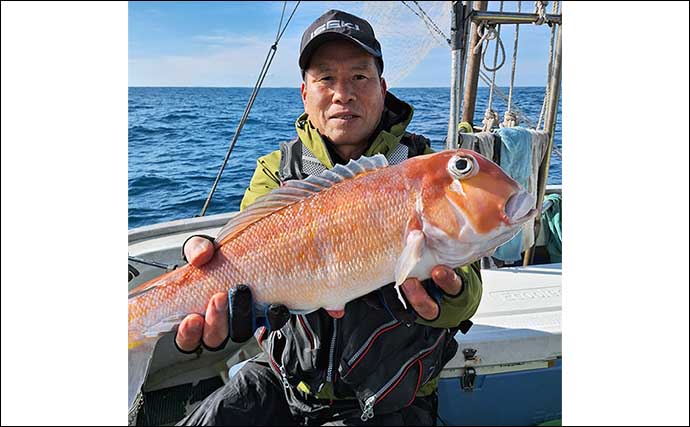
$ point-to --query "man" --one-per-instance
(374, 362)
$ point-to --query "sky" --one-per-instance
(224, 44)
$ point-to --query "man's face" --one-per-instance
(343, 94)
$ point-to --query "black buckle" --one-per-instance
(467, 379)
(469, 353)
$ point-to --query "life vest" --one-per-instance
(298, 162)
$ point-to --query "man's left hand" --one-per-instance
(425, 306)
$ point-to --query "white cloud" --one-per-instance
(229, 60)
(230, 38)
(211, 39)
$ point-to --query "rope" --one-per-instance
(491, 120)
(510, 119)
(493, 76)
(540, 7)
(430, 24)
(549, 70)
(506, 121)
(491, 33)
(262, 75)
(521, 114)
(485, 31)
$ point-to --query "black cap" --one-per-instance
(339, 25)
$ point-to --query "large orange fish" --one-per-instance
(326, 240)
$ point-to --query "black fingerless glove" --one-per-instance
(243, 317)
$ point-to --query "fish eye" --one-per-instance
(461, 166)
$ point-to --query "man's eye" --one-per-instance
(326, 78)
(360, 77)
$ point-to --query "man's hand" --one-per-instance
(425, 306)
(213, 329)
(198, 250)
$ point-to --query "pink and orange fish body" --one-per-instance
(329, 239)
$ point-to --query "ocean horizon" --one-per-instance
(179, 136)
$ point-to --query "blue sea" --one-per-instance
(178, 138)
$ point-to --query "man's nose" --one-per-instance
(343, 92)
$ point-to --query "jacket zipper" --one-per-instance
(307, 329)
(280, 369)
(368, 407)
(354, 360)
(331, 353)
(283, 375)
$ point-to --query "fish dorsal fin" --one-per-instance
(295, 191)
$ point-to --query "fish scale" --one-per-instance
(313, 253)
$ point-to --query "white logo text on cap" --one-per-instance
(336, 23)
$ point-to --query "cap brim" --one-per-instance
(325, 37)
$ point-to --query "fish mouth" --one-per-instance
(519, 208)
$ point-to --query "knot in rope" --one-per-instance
(510, 119)
(491, 120)
(541, 11)
(490, 33)
(485, 31)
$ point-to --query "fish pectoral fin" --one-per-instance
(411, 255)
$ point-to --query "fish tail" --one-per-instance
(139, 355)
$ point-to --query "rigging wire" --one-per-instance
(431, 21)
(430, 24)
(262, 75)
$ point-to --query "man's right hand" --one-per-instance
(213, 329)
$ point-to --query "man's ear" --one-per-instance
(303, 92)
(384, 88)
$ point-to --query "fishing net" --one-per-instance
(407, 31)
